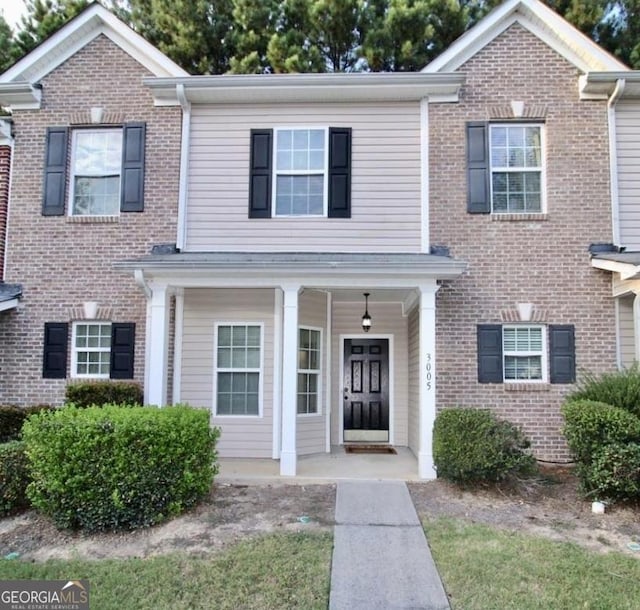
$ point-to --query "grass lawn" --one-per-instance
(489, 569)
(277, 571)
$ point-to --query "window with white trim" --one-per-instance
(238, 369)
(516, 169)
(300, 181)
(524, 353)
(309, 353)
(91, 354)
(96, 168)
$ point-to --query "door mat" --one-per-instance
(369, 449)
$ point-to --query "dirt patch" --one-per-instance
(549, 507)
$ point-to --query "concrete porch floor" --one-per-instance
(325, 467)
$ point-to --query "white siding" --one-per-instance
(628, 151)
(414, 374)
(385, 179)
(240, 437)
(387, 320)
(626, 330)
(311, 429)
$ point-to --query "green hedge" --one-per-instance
(473, 445)
(14, 478)
(614, 472)
(116, 467)
(12, 418)
(89, 393)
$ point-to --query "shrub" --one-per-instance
(89, 393)
(114, 467)
(614, 472)
(619, 388)
(591, 425)
(473, 445)
(14, 478)
(12, 418)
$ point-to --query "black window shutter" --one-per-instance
(562, 353)
(132, 189)
(122, 350)
(54, 360)
(260, 173)
(478, 169)
(339, 172)
(490, 353)
(55, 171)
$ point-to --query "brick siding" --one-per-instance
(61, 264)
(544, 260)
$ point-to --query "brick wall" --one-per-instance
(60, 263)
(543, 262)
(5, 168)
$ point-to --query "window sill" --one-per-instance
(519, 217)
(93, 219)
(527, 387)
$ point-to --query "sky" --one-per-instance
(12, 10)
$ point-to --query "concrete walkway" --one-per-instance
(381, 560)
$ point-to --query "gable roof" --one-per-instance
(73, 36)
(541, 21)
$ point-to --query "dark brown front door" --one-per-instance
(366, 390)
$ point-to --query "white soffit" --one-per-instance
(541, 21)
(76, 34)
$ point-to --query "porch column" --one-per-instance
(427, 378)
(157, 345)
(289, 380)
(636, 323)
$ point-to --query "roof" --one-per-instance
(9, 295)
(627, 264)
(541, 21)
(18, 85)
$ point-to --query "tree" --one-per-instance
(6, 45)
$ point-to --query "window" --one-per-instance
(297, 172)
(523, 351)
(309, 352)
(95, 172)
(516, 168)
(526, 353)
(91, 354)
(238, 364)
(300, 172)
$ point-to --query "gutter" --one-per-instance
(613, 159)
(183, 192)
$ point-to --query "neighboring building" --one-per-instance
(462, 200)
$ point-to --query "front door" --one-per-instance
(366, 390)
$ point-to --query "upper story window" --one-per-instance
(300, 183)
(95, 172)
(516, 168)
(296, 172)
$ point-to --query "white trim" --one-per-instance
(183, 184)
(307, 172)
(74, 350)
(318, 372)
(178, 328)
(613, 159)
(214, 402)
(618, 333)
(544, 360)
(328, 347)
(76, 34)
(277, 371)
(636, 324)
(157, 344)
(541, 21)
(390, 339)
(627, 271)
(10, 304)
(424, 175)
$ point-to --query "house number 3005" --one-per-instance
(428, 368)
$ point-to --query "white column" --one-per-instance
(277, 372)
(427, 379)
(636, 324)
(157, 345)
(289, 380)
(177, 346)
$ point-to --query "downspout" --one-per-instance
(184, 167)
(613, 159)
